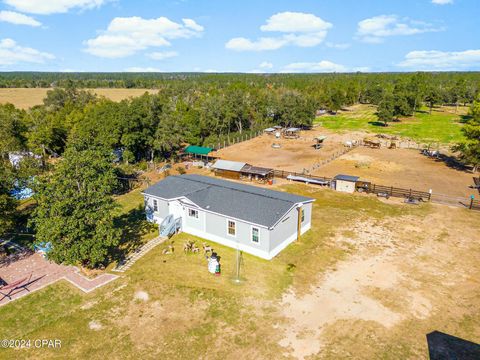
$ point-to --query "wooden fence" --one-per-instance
(398, 192)
(235, 140)
(370, 188)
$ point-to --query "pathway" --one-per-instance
(42, 273)
(132, 258)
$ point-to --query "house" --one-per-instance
(259, 221)
(345, 183)
(241, 170)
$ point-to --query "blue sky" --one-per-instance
(241, 36)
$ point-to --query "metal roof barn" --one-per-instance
(228, 165)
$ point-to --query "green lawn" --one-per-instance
(190, 313)
(440, 126)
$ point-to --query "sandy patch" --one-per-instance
(95, 325)
(343, 293)
(141, 296)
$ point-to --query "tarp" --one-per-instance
(199, 150)
(308, 180)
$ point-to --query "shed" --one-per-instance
(198, 152)
(257, 173)
(269, 131)
(345, 183)
(291, 133)
(228, 169)
(319, 141)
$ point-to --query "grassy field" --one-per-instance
(24, 98)
(170, 306)
(443, 125)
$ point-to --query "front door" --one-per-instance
(177, 210)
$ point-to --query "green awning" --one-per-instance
(198, 150)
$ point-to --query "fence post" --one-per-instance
(391, 190)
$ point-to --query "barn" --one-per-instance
(242, 171)
(259, 221)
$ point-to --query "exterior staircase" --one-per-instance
(132, 258)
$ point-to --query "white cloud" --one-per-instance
(162, 55)
(266, 65)
(300, 29)
(322, 66)
(18, 19)
(126, 36)
(291, 22)
(11, 53)
(142, 69)
(374, 30)
(442, 2)
(46, 7)
(441, 60)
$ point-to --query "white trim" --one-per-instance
(228, 234)
(251, 234)
(194, 211)
(296, 205)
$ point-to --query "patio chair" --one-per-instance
(22, 284)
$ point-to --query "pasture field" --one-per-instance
(443, 125)
(25, 98)
(404, 168)
(370, 280)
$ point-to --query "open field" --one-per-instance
(405, 168)
(370, 280)
(294, 154)
(443, 125)
(25, 98)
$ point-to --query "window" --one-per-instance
(193, 213)
(155, 205)
(255, 235)
(303, 215)
(231, 228)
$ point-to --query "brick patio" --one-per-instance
(45, 273)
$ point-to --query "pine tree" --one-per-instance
(470, 149)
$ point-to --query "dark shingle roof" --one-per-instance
(245, 202)
(346, 178)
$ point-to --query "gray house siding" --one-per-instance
(217, 226)
(286, 230)
(162, 206)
